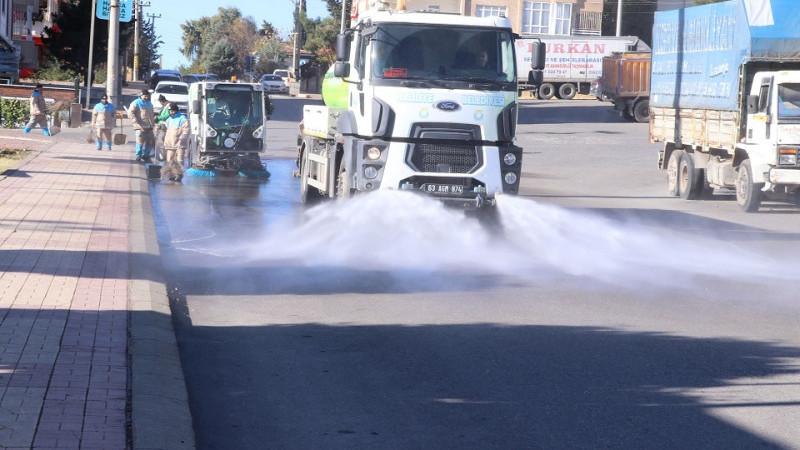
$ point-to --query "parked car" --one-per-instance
(174, 91)
(596, 89)
(273, 83)
(195, 77)
(160, 75)
(285, 75)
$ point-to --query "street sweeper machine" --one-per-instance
(227, 122)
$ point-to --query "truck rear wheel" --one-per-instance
(641, 111)
(690, 180)
(567, 91)
(672, 172)
(308, 195)
(748, 194)
(546, 91)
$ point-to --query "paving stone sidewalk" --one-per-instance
(88, 358)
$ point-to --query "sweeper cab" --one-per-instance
(227, 126)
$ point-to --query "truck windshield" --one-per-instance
(234, 107)
(789, 101)
(455, 57)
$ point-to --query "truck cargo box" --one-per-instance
(626, 74)
(701, 53)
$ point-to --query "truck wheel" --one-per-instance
(672, 172)
(748, 194)
(547, 91)
(567, 91)
(690, 180)
(641, 111)
(308, 195)
(343, 189)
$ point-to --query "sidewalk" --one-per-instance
(88, 357)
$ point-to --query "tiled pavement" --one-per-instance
(87, 352)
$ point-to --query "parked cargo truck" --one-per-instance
(725, 99)
(572, 62)
(417, 101)
(626, 83)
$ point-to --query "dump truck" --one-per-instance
(410, 105)
(725, 99)
(572, 62)
(227, 121)
(626, 83)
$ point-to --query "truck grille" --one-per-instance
(449, 158)
(450, 148)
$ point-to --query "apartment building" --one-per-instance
(558, 17)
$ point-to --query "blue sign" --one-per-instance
(125, 10)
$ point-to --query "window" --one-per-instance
(563, 18)
(547, 18)
(490, 11)
(536, 18)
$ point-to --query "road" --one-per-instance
(607, 315)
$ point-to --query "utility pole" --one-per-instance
(619, 17)
(112, 76)
(137, 32)
(89, 73)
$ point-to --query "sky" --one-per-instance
(175, 13)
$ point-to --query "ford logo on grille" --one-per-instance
(447, 105)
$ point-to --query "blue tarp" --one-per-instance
(709, 43)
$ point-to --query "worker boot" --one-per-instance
(99, 145)
(46, 131)
(108, 145)
(27, 130)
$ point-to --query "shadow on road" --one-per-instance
(465, 386)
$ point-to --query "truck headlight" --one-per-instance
(373, 153)
(210, 132)
(370, 172)
(509, 159)
(788, 156)
(259, 132)
(510, 177)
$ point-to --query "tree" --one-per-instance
(149, 43)
(637, 18)
(200, 35)
(67, 40)
(267, 29)
(221, 58)
(335, 8)
(270, 52)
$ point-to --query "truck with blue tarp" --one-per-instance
(725, 99)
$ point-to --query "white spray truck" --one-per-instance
(725, 99)
(419, 101)
(572, 63)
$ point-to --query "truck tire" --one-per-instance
(547, 91)
(343, 189)
(567, 91)
(641, 111)
(748, 194)
(672, 172)
(690, 180)
(308, 195)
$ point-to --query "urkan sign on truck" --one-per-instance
(725, 99)
(573, 62)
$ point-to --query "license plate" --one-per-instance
(443, 189)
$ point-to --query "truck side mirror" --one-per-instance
(341, 69)
(195, 106)
(342, 47)
(535, 77)
(752, 104)
(538, 53)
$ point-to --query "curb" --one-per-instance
(160, 414)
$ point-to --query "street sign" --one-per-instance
(125, 10)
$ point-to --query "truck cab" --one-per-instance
(426, 102)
